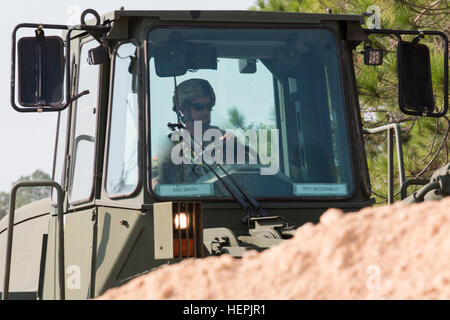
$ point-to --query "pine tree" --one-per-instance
(25, 195)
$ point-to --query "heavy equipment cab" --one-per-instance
(284, 89)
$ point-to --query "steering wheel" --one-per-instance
(249, 177)
(231, 169)
(249, 154)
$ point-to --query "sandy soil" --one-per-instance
(390, 252)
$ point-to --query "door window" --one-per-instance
(122, 169)
(83, 155)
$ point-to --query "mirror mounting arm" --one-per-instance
(69, 32)
(39, 32)
(77, 96)
(416, 40)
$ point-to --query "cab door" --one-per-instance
(79, 172)
(79, 232)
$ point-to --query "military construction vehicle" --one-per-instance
(271, 101)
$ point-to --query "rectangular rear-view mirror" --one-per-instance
(40, 71)
(415, 87)
(175, 59)
(169, 63)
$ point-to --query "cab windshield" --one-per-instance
(264, 104)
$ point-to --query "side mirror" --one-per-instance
(415, 89)
(40, 70)
(42, 63)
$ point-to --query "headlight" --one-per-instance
(181, 221)
(178, 230)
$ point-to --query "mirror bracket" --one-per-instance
(416, 40)
(39, 33)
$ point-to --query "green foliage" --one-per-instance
(425, 143)
(25, 195)
(236, 119)
(4, 204)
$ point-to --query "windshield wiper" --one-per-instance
(257, 210)
(249, 204)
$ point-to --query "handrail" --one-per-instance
(389, 127)
(12, 207)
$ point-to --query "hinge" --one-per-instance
(94, 215)
(66, 174)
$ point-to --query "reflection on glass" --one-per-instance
(266, 104)
(82, 177)
(122, 172)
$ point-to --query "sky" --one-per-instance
(27, 140)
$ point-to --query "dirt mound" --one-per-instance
(390, 252)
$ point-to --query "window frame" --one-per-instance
(59, 135)
(64, 177)
(138, 187)
(69, 179)
(346, 104)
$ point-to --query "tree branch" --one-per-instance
(444, 139)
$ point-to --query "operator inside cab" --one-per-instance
(194, 99)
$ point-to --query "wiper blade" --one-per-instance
(255, 204)
(250, 206)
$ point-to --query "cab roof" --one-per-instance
(234, 16)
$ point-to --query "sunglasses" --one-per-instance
(199, 106)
